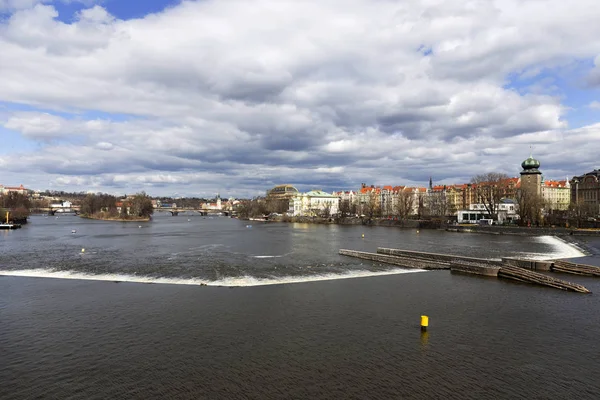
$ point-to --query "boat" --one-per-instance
(10, 226)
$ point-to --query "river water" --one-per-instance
(300, 331)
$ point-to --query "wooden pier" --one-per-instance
(508, 268)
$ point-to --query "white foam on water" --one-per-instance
(242, 281)
(267, 256)
(560, 249)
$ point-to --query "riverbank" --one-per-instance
(108, 217)
(437, 224)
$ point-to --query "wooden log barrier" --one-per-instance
(405, 262)
(435, 256)
(524, 275)
(574, 268)
(474, 268)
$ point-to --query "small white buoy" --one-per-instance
(189, 220)
(417, 231)
(83, 250)
(73, 231)
(139, 226)
(248, 226)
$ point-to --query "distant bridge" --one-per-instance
(61, 210)
(204, 212)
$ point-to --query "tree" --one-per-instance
(371, 207)
(438, 204)
(530, 207)
(344, 210)
(489, 189)
(278, 206)
(325, 211)
(140, 205)
(404, 204)
(13, 200)
(581, 210)
(422, 210)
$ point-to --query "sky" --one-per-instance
(194, 98)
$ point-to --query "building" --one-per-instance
(282, 192)
(215, 205)
(13, 189)
(507, 213)
(585, 190)
(531, 177)
(315, 203)
(556, 195)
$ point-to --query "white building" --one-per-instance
(314, 203)
(63, 205)
(507, 212)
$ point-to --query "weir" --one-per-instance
(517, 269)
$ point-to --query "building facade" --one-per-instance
(585, 191)
(315, 203)
(556, 195)
(13, 189)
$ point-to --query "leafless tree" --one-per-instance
(530, 207)
(438, 204)
(371, 207)
(404, 204)
(581, 211)
(489, 189)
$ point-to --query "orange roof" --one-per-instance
(14, 187)
(556, 184)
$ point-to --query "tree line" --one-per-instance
(139, 205)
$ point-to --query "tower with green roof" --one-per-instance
(531, 176)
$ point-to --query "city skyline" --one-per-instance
(197, 98)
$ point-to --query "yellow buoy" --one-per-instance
(424, 322)
(363, 235)
(417, 231)
(83, 250)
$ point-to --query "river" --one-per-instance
(277, 319)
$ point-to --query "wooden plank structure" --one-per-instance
(404, 262)
(510, 268)
(574, 268)
(523, 275)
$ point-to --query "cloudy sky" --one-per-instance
(234, 96)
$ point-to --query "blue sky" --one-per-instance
(122, 9)
(201, 97)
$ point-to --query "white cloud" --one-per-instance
(260, 92)
(595, 105)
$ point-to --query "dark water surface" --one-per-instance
(340, 338)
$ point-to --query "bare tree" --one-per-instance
(581, 210)
(422, 210)
(530, 207)
(438, 204)
(371, 208)
(325, 211)
(345, 209)
(490, 188)
(404, 204)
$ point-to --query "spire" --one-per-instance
(430, 183)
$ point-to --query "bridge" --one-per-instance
(52, 210)
(203, 212)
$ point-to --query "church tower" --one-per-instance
(531, 177)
